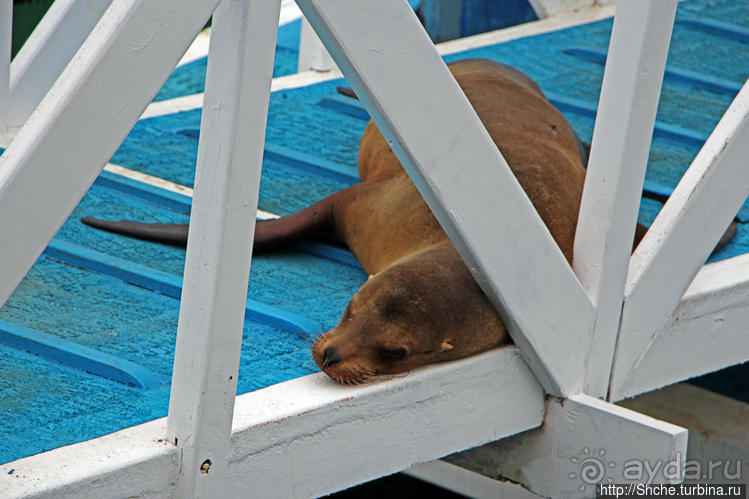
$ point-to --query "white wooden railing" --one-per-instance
(585, 335)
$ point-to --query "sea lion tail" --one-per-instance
(316, 222)
(172, 234)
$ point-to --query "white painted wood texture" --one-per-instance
(6, 26)
(616, 169)
(334, 436)
(222, 224)
(64, 145)
(718, 448)
(584, 440)
(312, 53)
(49, 48)
(318, 429)
(134, 462)
(464, 179)
(680, 239)
(709, 330)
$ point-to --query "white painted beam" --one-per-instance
(316, 428)
(312, 53)
(135, 462)
(51, 46)
(708, 331)
(64, 145)
(334, 436)
(681, 238)
(222, 224)
(584, 441)
(6, 28)
(718, 448)
(616, 169)
(464, 179)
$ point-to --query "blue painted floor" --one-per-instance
(100, 303)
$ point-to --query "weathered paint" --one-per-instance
(222, 223)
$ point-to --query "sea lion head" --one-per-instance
(422, 310)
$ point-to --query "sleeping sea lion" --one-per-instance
(421, 304)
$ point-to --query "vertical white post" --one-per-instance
(312, 52)
(6, 26)
(227, 180)
(616, 170)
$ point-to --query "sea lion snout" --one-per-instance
(330, 357)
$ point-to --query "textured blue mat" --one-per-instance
(311, 150)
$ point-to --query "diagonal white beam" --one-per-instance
(217, 269)
(56, 156)
(616, 170)
(51, 46)
(711, 319)
(683, 234)
(6, 24)
(396, 71)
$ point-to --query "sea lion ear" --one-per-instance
(446, 345)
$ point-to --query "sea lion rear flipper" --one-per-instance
(172, 234)
(316, 222)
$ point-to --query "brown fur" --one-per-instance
(422, 305)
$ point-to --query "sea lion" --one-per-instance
(421, 304)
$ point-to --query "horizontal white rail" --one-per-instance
(316, 428)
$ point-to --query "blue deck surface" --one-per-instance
(98, 291)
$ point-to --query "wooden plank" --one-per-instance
(313, 426)
(49, 48)
(584, 441)
(63, 146)
(222, 224)
(312, 53)
(396, 72)
(6, 26)
(681, 238)
(616, 169)
(323, 431)
(718, 448)
(707, 332)
(135, 462)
